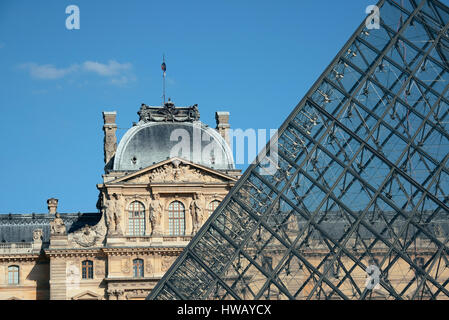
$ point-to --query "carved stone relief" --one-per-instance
(156, 211)
(180, 172)
(126, 266)
(197, 212)
(167, 261)
(90, 236)
(114, 206)
(38, 234)
(99, 267)
(148, 266)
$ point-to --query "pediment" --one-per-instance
(174, 170)
(87, 295)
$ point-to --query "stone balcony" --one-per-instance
(18, 248)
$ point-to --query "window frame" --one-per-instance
(136, 218)
(87, 270)
(14, 270)
(176, 222)
(138, 268)
(211, 208)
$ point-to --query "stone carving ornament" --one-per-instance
(126, 267)
(168, 113)
(57, 226)
(114, 205)
(99, 267)
(167, 261)
(196, 210)
(148, 266)
(89, 236)
(116, 294)
(156, 210)
(38, 234)
(180, 173)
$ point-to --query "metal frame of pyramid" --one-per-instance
(362, 181)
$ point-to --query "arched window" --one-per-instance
(136, 213)
(138, 268)
(176, 220)
(87, 268)
(13, 275)
(212, 206)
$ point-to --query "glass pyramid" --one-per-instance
(357, 206)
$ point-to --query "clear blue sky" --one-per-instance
(255, 59)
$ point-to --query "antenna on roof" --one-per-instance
(164, 68)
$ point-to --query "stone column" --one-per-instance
(110, 139)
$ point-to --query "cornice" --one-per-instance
(116, 251)
(73, 252)
(19, 256)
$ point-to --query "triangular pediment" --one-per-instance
(175, 170)
(87, 295)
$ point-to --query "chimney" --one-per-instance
(52, 205)
(223, 126)
(110, 140)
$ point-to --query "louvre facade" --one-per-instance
(150, 204)
(357, 206)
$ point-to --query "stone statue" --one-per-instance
(156, 209)
(57, 226)
(196, 210)
(38, 234)
(113, 208)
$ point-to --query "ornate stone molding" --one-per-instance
(168, 113)
(179, 172)
(141, 251)
(64, 253)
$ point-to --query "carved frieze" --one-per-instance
(180, 172)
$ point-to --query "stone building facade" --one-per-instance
(161, 182)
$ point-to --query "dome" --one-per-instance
(148, 143)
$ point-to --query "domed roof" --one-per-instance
(148, 143)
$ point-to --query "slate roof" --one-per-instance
(19, 227)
